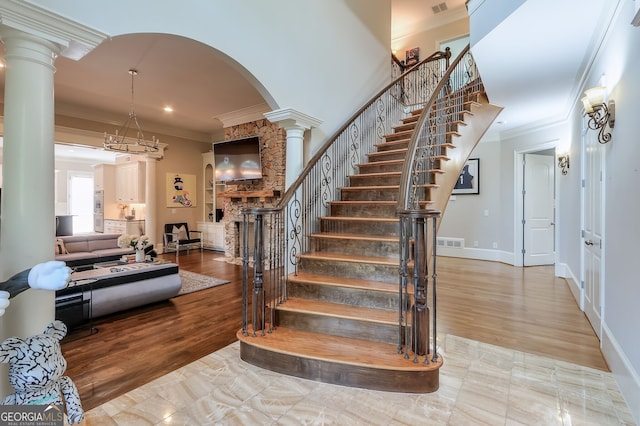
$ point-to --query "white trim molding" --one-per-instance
(626, 377)
(75, 40)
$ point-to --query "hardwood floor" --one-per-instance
(527, 309)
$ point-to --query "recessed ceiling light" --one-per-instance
(168, 109)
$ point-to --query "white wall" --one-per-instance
(307, 55)
(465, 216)
(619, 61)
(429, 40)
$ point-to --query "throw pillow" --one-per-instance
(59, 247)
(181, 231)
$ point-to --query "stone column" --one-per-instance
(295, 123)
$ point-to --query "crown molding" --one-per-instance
(244, 115)
(289, 117)
(75, 39)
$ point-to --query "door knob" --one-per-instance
(589, 242)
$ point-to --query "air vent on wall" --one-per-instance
(439, 8)
(450, 242)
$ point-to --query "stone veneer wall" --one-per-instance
(273, 155)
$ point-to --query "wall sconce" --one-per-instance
(563, 163)
(600, 113)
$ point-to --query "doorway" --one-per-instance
(534, 227)
(593, 201)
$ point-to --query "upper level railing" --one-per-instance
(297, 215)
(432, 132)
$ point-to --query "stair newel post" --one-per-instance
(420, 321)
(434, 276)
(403, 295)
(274, 285)
(245, 273)
(274, 255)
(258, 273)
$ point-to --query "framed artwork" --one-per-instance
(181, 190)
(412, 56)
(469, 179)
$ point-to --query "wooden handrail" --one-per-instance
(405, 182)
(398, 62)
(305, 172)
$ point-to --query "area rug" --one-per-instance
(195, 282)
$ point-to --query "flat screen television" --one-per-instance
(237, 160)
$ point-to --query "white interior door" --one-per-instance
(593, 232)
(539, 210)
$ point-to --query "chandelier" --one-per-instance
(120, 142)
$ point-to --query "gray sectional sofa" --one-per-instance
(97, 292)
(91, 248)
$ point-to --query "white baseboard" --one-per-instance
(564, 271)
(476, 253)
(626, 377)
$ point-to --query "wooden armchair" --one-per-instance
(178, 235)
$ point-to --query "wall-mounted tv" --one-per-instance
(237, 159)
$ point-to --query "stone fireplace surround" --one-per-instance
(265, 192)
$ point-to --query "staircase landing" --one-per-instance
(339, 360)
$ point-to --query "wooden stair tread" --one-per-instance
(400, 133)
(383, 356)
(362, 237)
(344, 282)
(391, 151)
(382, 163)
(403, 141)
(367, 203)
(359, 219)
(350, 258)
(376, 174)
(361, 188)
(338, 310)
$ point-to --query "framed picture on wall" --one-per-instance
(412, 56)
(181, 190)
(469, 179)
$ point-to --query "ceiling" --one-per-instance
(535, 61)
(212, 93)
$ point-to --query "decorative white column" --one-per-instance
(151, 196)
(295, 123)
(28, 217)
(151, 202)
(33, 37)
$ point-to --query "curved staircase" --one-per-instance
(340, 318)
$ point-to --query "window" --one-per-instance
(80, 192)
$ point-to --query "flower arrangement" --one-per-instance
(138, 242)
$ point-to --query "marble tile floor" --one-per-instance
(480, 384)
